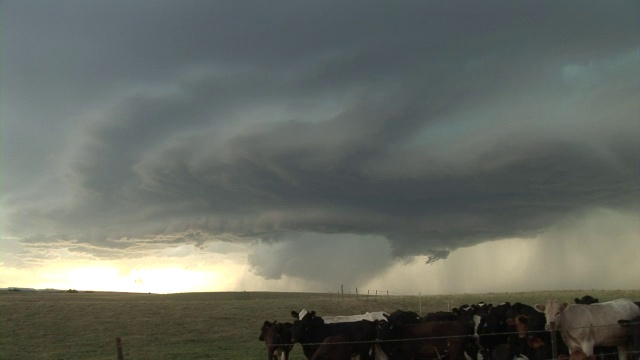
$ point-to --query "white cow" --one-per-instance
(584, 326)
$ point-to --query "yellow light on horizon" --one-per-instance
(170, 279)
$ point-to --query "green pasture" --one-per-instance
(225, 325)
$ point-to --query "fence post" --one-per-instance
(554, 344)
(119, 348)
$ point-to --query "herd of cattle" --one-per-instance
(588, 330)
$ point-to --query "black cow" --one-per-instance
(311, 330)
(440, 316)
(495, 333)
(633, 325)
(534, 341)
(423, 340)
(277, 337)
(586, 300)
(400, 317)
(464, 313)
(336, 347)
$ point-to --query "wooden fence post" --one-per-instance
(119, 348)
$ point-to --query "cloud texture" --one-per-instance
(417, 128)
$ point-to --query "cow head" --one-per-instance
(264, 328)
(521, 322)
(528, 321)
(495, 321)
(466, 314)
(383, 329)
(299, 315)
(303, 327)
(552, 311)
(471, 316)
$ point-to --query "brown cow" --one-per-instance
(425, 340)
(277, 337)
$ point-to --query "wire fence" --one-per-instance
(136, 323)
(427, 339)
(507, 333)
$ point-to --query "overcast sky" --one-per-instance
(413, 146)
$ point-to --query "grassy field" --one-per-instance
(84, 325)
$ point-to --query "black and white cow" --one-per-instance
(311, 330)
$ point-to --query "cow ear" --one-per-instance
(539, 307)
(313, 313)
(564, 305)
(294, 314)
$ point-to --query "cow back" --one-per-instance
(369, 316)
(423, 340)
(400, 317)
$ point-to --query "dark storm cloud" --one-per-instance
(301, 256)
(435, 125)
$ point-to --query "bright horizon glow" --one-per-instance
(508, 263)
